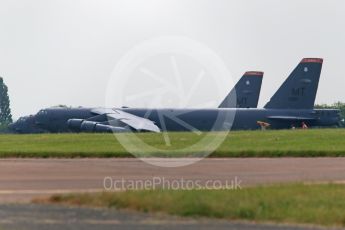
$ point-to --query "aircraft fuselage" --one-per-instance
(55, 120)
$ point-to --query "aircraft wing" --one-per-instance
(291, 118)
(135, 122)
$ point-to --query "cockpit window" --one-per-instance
(22, 119)
(43, 112)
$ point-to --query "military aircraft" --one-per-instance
(246, 91)
(25, 125)
(291, 106)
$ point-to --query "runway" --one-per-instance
(21, 180)
(43, 217)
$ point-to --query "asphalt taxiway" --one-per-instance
(50, 217)
(24, 179)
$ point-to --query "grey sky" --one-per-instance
(63, 51)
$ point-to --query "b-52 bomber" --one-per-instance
(245, 94)
(291, 105)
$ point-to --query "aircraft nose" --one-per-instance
(39, 123)
(39, 120)
(11, 126)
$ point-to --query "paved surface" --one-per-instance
(24, 179)
(42, 217)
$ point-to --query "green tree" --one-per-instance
(5, 110)
(337, 105)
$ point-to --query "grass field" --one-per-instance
(301, 143)
(295, 204)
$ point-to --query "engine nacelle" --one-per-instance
(81, 125)
(74, 124)
(102, 128)
(88, 126)
(109, 129)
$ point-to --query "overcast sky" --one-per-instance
(64, 51)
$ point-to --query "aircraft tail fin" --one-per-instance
(246, 92)
(300, 88)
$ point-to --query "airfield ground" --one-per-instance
(283, 143)
(307, 165)
(322, 204)
(22, 180)
(57, 217)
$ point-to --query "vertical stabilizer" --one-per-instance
(299, 89)
(246, 92)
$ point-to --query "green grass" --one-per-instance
(294, 204)
(298, 143)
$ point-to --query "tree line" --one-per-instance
(337, 105)
(5, 110)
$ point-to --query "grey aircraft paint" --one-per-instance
(300, 88)
(290, 106)
(203, 119)
(246, 92)
(25, 125)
